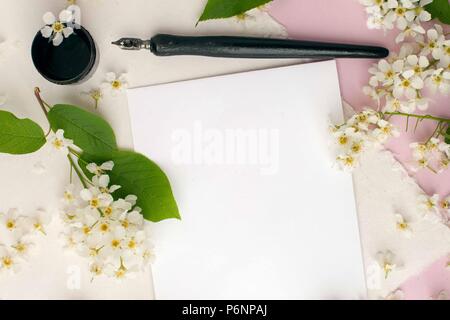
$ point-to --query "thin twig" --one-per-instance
(418, 116)
(77, 171)
(37, 93)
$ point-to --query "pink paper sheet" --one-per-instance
(345, 21)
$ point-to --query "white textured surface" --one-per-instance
(382, 189)
(46, 275)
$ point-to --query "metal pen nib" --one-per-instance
(132, 44)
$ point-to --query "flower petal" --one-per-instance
(85, 194)
(47, 31)
(103, 181)
(111, 76)
(58, 39)
(65, 16)
(49, 18)
(67, 31)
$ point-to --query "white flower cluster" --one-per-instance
(111, 233)
(435, 209)
(361, 130)
(406, 15)
(396, 83)
(433, 154)
(18, 235)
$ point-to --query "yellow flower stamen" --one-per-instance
(132, 244)
(58, 143)
(7, 262)
(94, 203)
(343, 140)
(116, 84)
(10, 224)
(58, 27)
(115, 243)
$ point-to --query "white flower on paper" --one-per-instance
(23, 247)
(39, 221)
(11, 219)
(56, 30)
(17, 241)
(119, 270)
(60, 143)
(8, 260)
(387, 262)
(429, 207)
(346, 162)
(403, 225)
(396, 295)
(115, 83)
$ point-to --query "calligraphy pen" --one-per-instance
(247, 47)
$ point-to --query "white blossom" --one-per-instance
(429, 207)
(60, 143)
(403, 225)
(18, 235)
(387, 261)
(115, 83)
(435, 43)
(57, 29)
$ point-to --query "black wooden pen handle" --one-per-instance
(244, 47)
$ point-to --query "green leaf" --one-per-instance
(140, 176)
(88, 131)
(19, 136)
(439, 9)
(217, 9)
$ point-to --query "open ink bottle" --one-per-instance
(70, 62)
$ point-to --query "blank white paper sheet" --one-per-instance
(265, 214)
